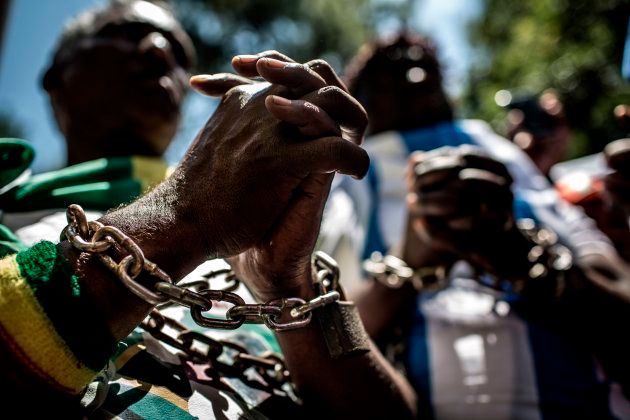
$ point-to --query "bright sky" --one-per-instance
(33, 27)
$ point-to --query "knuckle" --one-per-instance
(235, 93)
(304, 112)
(318, 64)
(330, 91)
(311, 110)
(270, 53)
(303, 68)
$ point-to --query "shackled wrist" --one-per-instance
(304, 289)
(549, 261)
(156, 287)
(394, 273)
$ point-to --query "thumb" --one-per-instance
(217, 84)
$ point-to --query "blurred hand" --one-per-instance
(460, 201)
(280, 263)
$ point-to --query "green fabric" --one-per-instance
(98, 185)
(58, 291)
(9, 243)
(15, 157)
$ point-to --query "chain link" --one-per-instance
(394, 273)
(201, 349)
(158, 288)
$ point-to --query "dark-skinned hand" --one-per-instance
(460, 201)
(262, 162)
(255, 177)
(279, 265)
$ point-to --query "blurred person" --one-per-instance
(598, 183)
(116, 82)
(72, 310)
(617, 155)
(121, 69)
(532, 281)
(538, 126)
(469, 349)
(398, 81)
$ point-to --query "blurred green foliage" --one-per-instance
(331, 29)
(573, 46)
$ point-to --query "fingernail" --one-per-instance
(245, 58)
(280, 101)
(201, 77)
(274, 63)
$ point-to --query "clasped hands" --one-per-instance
(460, 203)
(254, 183)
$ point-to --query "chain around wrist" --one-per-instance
(548, 259)
(158, 288)
(394, 273)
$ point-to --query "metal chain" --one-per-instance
(546, 254)
(394, 273)
(548, 258)
(201, 349)
(94, 237)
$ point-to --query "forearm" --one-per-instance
(166, 238)
(380, 306)
(362, 386)
(166, 226)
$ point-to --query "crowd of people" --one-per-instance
(456, 280)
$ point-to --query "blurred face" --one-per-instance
(128, 80)
(403, 92)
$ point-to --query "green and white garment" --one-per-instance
(40, 298)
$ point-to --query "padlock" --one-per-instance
(343, 330)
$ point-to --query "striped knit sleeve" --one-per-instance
(47, 325)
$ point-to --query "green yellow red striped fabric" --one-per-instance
(31, 335)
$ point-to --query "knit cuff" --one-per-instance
(46, 320)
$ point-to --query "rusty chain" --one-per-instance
(95, 238)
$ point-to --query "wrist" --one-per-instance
(164, 231)
(393, 273)
(301, 287)
(119, 309)
(124, 258)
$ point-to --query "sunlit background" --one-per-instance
(575, 47)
